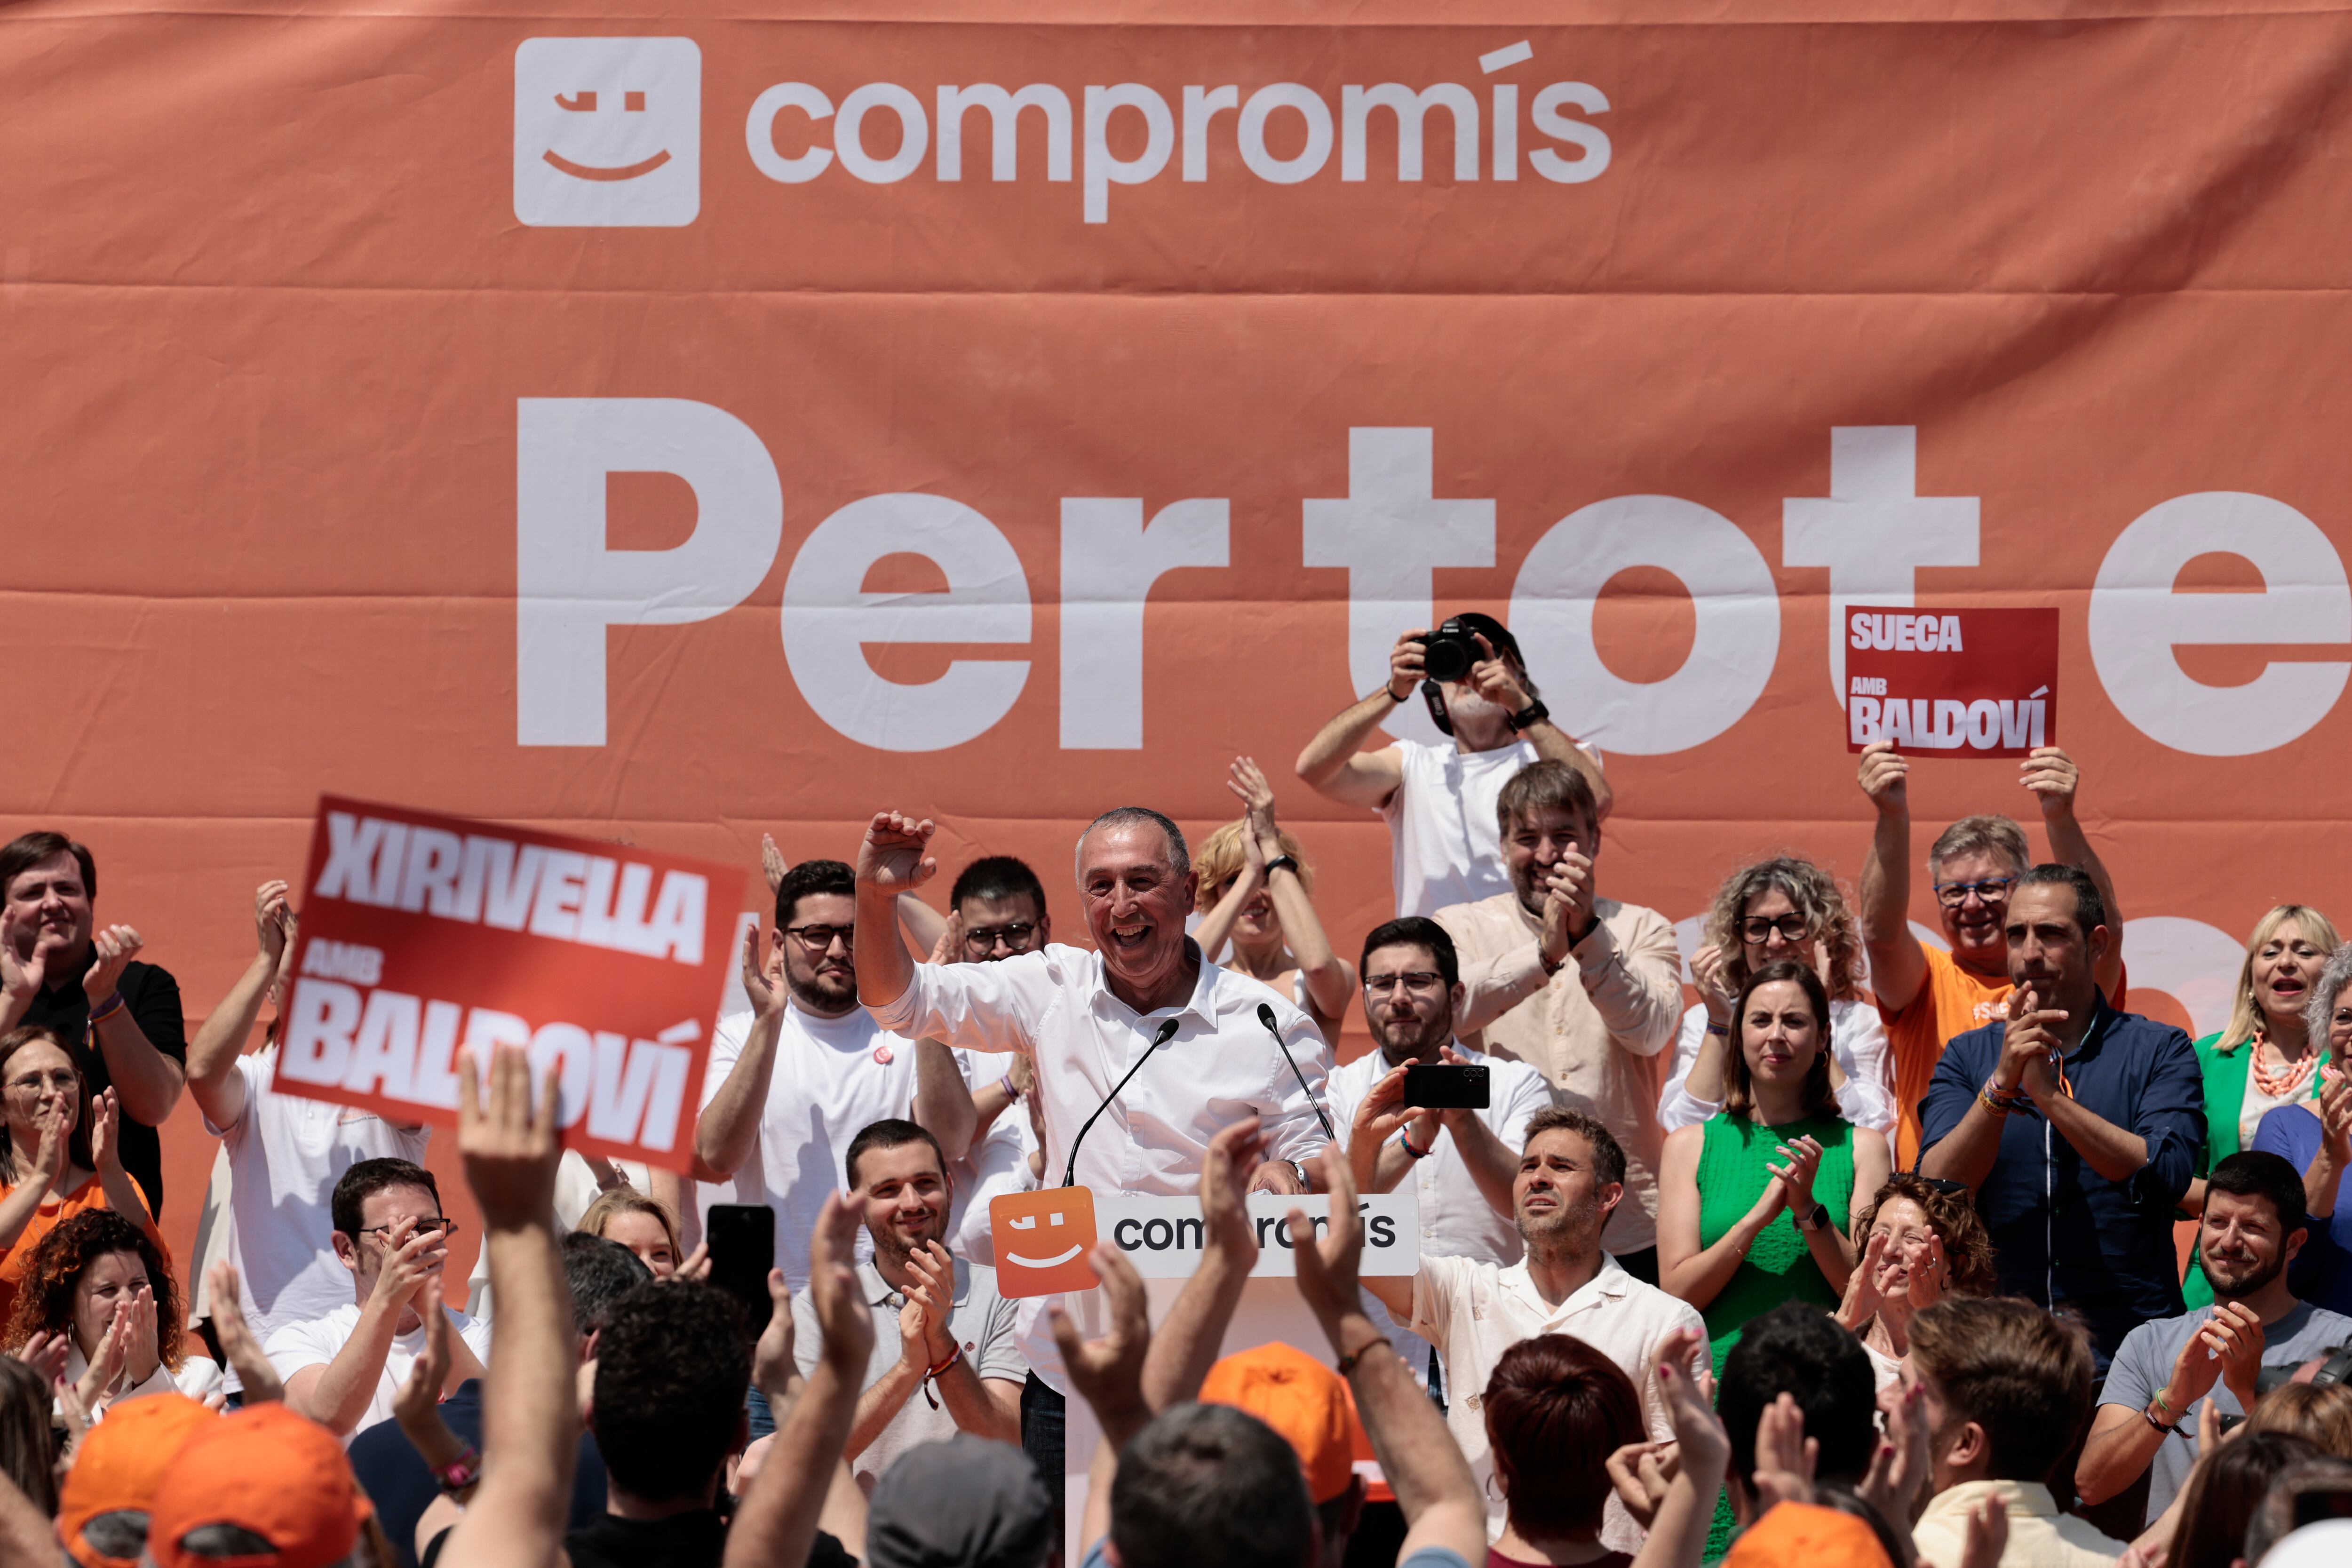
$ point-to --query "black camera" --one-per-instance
(1448, 652)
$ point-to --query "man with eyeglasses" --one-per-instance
(344, 1370)
(790, 1083)
(1928, 995)
(1460, 1161)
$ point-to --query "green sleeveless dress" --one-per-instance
(1731, 1174)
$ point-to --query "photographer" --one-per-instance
(1438, 802)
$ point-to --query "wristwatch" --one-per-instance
(1815, 1220)
(1283, 863)
(1534, 712)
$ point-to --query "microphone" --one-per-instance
(1266, 1016)
(1070, 1172)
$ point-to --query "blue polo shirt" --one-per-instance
(2063, 1235)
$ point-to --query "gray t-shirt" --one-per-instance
(2143, 1364)
(985, 1324)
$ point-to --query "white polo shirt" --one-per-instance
(834, 1077)
(1474, 1311)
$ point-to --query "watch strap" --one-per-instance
(1534, 713)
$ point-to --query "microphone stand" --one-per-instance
(1266, 1016)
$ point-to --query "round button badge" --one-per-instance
(882, 1054)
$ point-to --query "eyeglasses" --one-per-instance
(62, 1080)
(1012, 936)
(1758, 930)
(1419, 980)
(1992, 890)
(423, 1227)
(818, 939)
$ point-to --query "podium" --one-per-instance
(1162, 1237)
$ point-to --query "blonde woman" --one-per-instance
(1254, 882)
(2267, 1056)
(1783, 909)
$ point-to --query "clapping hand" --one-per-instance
(772, 862)
(1711, 976)
(1108, 1372)
(932, 1289)
(419, 1396)
(510, 1156)
(1785, 1457)
(112, 949)
(2029, 1044)
(774, 1370)
(243, 1351)
(1900, 1468)
(763, 974)
(1248, 783)
(47, 1353)
(843, 1317)
(1804, 1157)
(2335, 1115)
(1862, 1287)
(106, 1130)
(1234, 1155)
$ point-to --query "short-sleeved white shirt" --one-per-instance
(285, 1155)
(318, 1342)
(1446, 846)
(1474, 1311)
(983, 1325)
(834, 1077)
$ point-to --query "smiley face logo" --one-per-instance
(1041, 1240)
(608, 132)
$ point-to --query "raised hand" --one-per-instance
(2028, 1043)
(1804, 1157)
(21, 977)
(420, 1392)
(2335, 1115)
(1327, 1265)
(143, 1354)
(933, 1287)
(1785, 1457)
(1406, 668)
(96, 1385)
(1234, 1157)
(2053, 777)
(106, 1130)
(1900, 1468)
(843, 1318)
(1379, 1115)
(1987, 1538)
(112, 949)
(236, 1341)
(56, 1122)
(949, 949)
(1711, 975)
(772, 862)
(1862, 1287)
(697, 1266)
(764, 974)
(1881, 771)
(893, 858)
(47, 1353)
(1493, 678)
(1704, 1447)
(510, 1155)
(411, 1256)
(1640, 1473)
(1108, 1373)
(773, 1366)
(269, 920)
(1247, 781)
(2235, 1334)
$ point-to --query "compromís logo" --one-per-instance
(608, 132)
(1042, 1241)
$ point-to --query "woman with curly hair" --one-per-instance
(1783, 909)
(1924, 1243)
(62, 1152)
(102, 1287)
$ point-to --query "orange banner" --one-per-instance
(651, 421)
(422, 936)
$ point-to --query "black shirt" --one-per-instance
(153, 998)
(696, 1540)
(393, 1474)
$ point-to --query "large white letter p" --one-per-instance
(569, 586)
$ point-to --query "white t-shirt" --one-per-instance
(834, 1077)
(1857, 1041)
(1446, 846)
(286, 1153)
(1457, 1220)
(998, 1164)
(318, 1342)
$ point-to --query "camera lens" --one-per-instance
(1449, 657)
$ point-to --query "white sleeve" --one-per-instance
(1859, 1039)
(1293, 1131)
(1531, 1095)
(1677, 1106)
(976, 1006)
(294, 1346)
(477, 1334)
(726, 1049)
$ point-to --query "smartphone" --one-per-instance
(742, 1242)
(1442, 1086)
(2316, 1503)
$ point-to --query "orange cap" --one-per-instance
(265, 1470)
(1299, 1398)
(121, 1464)
(1791, 1533)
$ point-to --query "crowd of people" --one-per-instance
(1858, 1248)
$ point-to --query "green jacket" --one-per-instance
(2225, 1095)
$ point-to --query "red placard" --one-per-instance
(1965, 683)
(422, 934)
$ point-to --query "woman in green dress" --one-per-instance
(2265, 1057)
(1756, 1204)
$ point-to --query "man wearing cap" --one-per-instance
(1308, 1404)
(102, 1512)
(1439, 800)
(259, 1485)
(966, 1501)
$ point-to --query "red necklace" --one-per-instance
(2281, 1083)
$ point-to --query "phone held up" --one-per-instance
(742, 1241)
(1445, 1086)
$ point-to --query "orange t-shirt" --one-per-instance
(1951, 1000)
(91, 1195)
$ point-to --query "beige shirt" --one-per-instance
(1473, 1311)
(1597, 1030)
(2039, 1535)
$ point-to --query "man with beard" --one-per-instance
(1571, 1175)
(1586, 989)
(1927, 997)
(790, 1084)
(1438, 799)
(944, 1359)
(119, 1015)
(2168, 1370)
(1462, 1163)
(2075, 1126)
